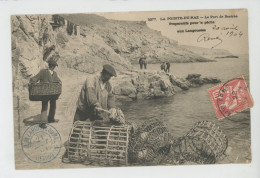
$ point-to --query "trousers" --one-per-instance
(141, 65)
(51, 110)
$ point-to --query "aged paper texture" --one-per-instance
(128, 89)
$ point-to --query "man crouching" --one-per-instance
(96, 96)
(96, 101)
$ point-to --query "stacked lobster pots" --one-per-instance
(149, 144)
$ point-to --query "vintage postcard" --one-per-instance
(131, 89)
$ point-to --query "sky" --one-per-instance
(220, 29)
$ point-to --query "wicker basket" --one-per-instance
(44, 91)
(105, 145)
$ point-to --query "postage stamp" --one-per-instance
(230, 97)
(41, 145)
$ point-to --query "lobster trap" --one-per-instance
(105, 145)
(44, 91)
(205, 143)
(150, 143)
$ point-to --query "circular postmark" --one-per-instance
(41, 145)
(233, 97)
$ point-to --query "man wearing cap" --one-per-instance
(47, 75)
(95, 97)
(96, 94)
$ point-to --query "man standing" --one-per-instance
(96, 96)
(168, 65)
(48, 75)
(163, 66)
(145, 62)
(141, 63)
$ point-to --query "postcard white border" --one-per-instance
(9, 7)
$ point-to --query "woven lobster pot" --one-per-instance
(44, 91)
(209, 138)
(205, 143)
(148, 142)
(105, 145)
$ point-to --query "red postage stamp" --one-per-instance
(230, 97)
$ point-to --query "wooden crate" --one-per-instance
(105, 145)
(44, 91)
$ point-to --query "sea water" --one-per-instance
(181, 111)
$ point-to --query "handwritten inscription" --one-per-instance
(208, 26)
(206, 37)
(231, 31)
(232, 27)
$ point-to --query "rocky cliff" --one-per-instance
(97, 41)
(88, 54)
(36, 39)
(33, 43)
(131, 39)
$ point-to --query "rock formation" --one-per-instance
(146, 85)
(33, 42)
(131, 39)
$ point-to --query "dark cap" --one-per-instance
(52, 62)
(109, 69)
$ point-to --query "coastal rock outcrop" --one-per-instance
(146, 85)
(124, 88)
(150, 85)
(196, 80)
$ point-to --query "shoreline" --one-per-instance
(66, 107)
(154, 84)
(178, 62)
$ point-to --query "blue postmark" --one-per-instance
(41, 145)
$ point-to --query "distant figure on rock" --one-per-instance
(143, 62)
(168, 65)
(163, 66)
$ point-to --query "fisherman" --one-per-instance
(96, 96)
(141, 63)
(95, 99)
(168, 65)
(48, 75)
(145, 62)
(163, 66)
